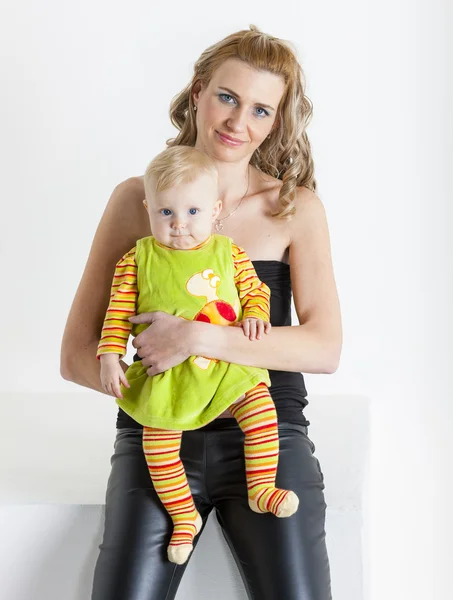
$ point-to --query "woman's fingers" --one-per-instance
(165, 343)
(146, 362)
(147, 317)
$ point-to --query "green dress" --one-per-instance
(193, 284)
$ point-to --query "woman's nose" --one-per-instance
(237, 121)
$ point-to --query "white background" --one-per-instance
(85, 93)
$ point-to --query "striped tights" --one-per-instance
(257, 418)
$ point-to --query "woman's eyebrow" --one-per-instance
(238, 97)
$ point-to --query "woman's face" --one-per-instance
(236, 110)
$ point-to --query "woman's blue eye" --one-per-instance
(226, 98)
(262, 114)
(193, 211)
(166, 212)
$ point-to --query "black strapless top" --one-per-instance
(287, 388)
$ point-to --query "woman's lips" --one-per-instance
(229, 141)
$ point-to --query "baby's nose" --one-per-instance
(178, 224)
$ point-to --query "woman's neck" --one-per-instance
(233, 182)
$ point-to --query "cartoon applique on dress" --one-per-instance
(215, 311)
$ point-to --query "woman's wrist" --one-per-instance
(201, 337)
(192, 337)
(288, 348)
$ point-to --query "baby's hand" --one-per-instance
(254, 328)
(112, 375)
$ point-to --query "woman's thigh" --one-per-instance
(279, 558)
(132, 563)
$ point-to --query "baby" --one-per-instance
(185, 270)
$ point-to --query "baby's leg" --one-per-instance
(161, 448)
(257, 417)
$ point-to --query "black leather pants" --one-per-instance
(278, 559)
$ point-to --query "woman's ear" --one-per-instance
(197, 88)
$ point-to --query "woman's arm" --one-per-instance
(123, 222)
(313, 346)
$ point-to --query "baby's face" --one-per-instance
(181, 217)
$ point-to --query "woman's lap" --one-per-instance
(277, 558)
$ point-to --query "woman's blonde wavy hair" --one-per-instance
(286, 155)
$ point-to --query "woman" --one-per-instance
(245, 107)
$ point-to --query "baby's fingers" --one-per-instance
(116, 389)
(124, 380)
(267, 327)
(259, 329)
(253, 324)
(246, 327)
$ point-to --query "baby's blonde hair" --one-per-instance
(176, 165)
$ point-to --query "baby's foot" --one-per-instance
(181, 543)
(281, 503)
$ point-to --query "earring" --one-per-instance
(269, 136)
(195, 108)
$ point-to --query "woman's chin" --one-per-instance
(220, 151)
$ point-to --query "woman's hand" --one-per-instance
(165, 343)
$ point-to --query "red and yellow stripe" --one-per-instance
(257, 417)
(253, 294)
(162, 448)
(123, 298)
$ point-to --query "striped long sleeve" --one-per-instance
(123, 297)
(253, 293)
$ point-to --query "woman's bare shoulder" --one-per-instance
(306, 200)
(267, 188)
(125, 210)
(308, 206)
(309, 232)
(124, 221)
(131, 187)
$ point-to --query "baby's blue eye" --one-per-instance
(193, 211)
(166, 212)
